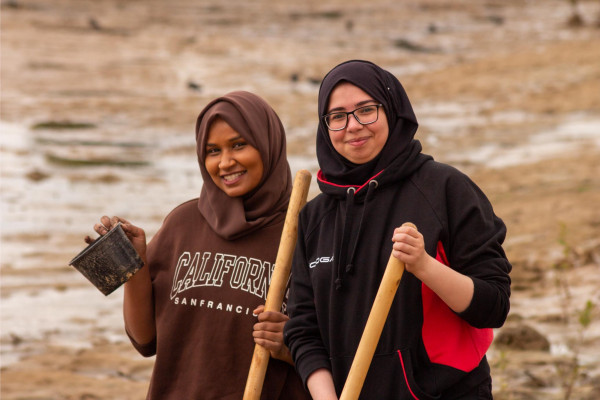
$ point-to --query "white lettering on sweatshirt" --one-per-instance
(238, 309)
(248, 274)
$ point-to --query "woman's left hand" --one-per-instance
(268, 332)
(454, 288)
(409, 247)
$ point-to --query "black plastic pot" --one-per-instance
(109, 261)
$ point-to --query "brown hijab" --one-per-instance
(257, 122)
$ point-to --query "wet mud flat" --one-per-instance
(99, 101)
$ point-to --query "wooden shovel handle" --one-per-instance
(375, 322)
(279, 280)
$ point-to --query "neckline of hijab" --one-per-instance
(255, 120)
(401, 150)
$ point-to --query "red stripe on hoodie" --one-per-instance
(405, 377)
(322, 178)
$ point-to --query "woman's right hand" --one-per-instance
(138, 303)
(136, 235)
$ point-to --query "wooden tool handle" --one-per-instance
(279, 280)
(377, 316)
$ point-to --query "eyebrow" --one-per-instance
(233, 139)
(359, 104)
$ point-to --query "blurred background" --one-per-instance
(98, 105)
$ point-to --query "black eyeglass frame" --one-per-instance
(324, 117)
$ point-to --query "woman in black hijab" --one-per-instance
(373, 179)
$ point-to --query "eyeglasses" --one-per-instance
(336, 121)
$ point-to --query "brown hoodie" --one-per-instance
(211, 264)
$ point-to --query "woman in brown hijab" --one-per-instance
(210, 264)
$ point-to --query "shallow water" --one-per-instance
(577, 133)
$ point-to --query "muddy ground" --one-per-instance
(99, 100)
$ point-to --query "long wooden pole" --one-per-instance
(377, 316)
(279, 280)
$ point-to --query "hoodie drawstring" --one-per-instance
(349, 234)
(349, 217)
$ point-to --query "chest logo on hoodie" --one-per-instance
(320, 260)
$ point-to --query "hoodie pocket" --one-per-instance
(418, 376)
(427, 380)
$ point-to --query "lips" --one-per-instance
(230, 179)
(358, 141)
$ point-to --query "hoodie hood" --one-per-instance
(401, 154)
(256, 122)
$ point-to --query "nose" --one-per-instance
(226, 160)
(353, 124)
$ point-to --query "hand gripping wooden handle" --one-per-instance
(377, 316)
(279, 280)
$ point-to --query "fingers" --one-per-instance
(406, 233)
(270, 325)
(272, 334)
(105, 221)
(271, 316)
(132, 231)
(106, 224)
(269, 336)
(274, 347)
(268, 333)
(258, 310)
(408, 245)
(101, 229)
(115, 220)
(136, 235)
(407, 239)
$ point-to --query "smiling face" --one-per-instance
(357, 143)
(233, 164)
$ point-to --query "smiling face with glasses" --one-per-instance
(357, 124)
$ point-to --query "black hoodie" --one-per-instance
(426, 351)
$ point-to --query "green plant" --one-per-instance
(501, 366)
(570, 370)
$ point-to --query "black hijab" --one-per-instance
(400, 150)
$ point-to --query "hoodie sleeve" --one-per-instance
(475, 242)
(301, 332)
(146, 350)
